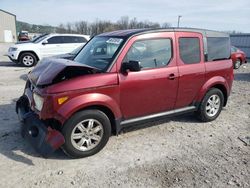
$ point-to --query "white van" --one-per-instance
(28, 53)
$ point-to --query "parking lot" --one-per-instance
(176, 152)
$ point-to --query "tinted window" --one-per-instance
(190, 50)
(55, 40)
(80, 39)
(218, 48)
(72, 39)
(99, 52)
(150, 53)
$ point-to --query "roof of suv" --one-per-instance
(130, 32)
(65, 34)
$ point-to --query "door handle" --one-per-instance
(171, 76)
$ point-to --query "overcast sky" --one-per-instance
(223, 15)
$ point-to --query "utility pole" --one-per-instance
(179, 19)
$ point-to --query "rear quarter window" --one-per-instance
(218, 48)
(74, 39)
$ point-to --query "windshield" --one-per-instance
(39, 38)
(35, 38)
(75, 51)
(99, 52)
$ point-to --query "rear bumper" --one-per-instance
(43, 138)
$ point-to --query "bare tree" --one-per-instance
(100, 26)
(61, 29)
(69, 28)
(165, 25)
(133, 23)
(82, 27)
(123, 23)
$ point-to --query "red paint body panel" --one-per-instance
(220, 70)
(106, 97)
(192, 76)
(136, 94)
(148, 91)
(86, 82)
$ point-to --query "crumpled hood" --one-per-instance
(50, 70)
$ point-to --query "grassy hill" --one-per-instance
(33, 28)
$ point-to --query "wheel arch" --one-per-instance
(106, 110)
(215, 82)
(223, 90)
(102, 102)
(28, 51)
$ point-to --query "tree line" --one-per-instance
(94, 28)
(91, 28)
(100, 26)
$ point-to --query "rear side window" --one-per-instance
(218, 48)
(190, 50)
(73, 39)
(55, 40)
(151, 53)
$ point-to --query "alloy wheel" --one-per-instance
(87, 134)
(28, 60)
(213, 105)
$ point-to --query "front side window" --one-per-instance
(151, 53)
(100, 52)
(55, 40)
(190, 50)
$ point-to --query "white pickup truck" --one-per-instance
(29, 53)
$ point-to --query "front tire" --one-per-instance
(86, 133)
(211, 105)
(28, 59)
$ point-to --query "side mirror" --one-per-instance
(45, 42)
(133, 66)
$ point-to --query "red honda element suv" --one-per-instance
(122, 78)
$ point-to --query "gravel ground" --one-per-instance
(176, 152)
(3, 51)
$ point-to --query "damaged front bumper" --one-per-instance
(43, 138)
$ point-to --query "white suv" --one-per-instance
(28, 53)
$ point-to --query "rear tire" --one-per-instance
(86, 133)
(211, 105)
(28, 59)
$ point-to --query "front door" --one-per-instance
(154, 88)
(52, 46)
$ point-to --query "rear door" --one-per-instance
(72, 42)
(191, 67)
(154, 88)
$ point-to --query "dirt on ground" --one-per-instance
(176, 152)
